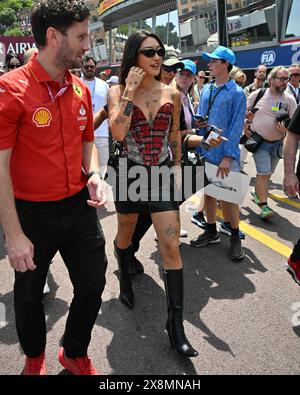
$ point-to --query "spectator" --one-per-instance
(259, 80)
(294, 84)
(170, 65)
(27, 55)
(103, 76)
(224, 103)
(238, 76)
(99, 90)
(201, 78)
(291, 183)
(114, 80)
(264, 122)
(12, 62)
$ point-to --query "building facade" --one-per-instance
(261, 31)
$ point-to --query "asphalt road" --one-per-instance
(243, 318)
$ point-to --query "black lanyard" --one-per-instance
(212, 99)
(294, 92)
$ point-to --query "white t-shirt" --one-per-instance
(99, 90)
(264, 121)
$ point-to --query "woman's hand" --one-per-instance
(134, 78)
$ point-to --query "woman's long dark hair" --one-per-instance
(131, 52)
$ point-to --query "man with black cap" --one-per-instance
(224, 103)
(170, 65)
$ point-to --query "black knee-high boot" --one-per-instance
(123, 257)
(174, 292)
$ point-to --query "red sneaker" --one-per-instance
(35, 366)
(77, 366)
(293, 267)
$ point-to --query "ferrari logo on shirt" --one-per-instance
(42, 117)
(77, 90)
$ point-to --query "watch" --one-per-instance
(91, 173)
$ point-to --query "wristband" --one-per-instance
(91, 173)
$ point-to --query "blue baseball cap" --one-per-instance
(189, 65)
(220, 53)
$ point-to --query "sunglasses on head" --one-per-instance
(13, 66)
(170, 69)
(295, 75)
(151, 52)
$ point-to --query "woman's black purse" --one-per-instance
(193, 169)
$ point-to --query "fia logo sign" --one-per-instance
(268, 58)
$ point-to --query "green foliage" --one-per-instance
(16, 31)
(9, 15)
(170, 38)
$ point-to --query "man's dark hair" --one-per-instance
(88, 58)
(230, 66)
(59, 14)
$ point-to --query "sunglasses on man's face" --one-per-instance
(295, 75)
(151, 52)
(13, 66)
(170, 69)
(283, 79)
(89, 66)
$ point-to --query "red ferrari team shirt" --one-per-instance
(44, 124)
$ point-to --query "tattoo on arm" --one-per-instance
(128, 109)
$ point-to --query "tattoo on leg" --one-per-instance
(171, 231)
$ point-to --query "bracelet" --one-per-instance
(249, 122)
(91, 173)
(126, 99)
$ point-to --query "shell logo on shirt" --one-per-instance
(82, 110)
(77, 90)
(42, 117)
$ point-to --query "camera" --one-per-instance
(212, 132)
(283, 116)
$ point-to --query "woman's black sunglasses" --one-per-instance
(150, 52)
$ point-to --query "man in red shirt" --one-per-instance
(291, 183)
(50, 184)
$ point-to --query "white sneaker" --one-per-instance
(46, 288)
(183, 233)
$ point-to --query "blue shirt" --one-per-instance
(227, 113)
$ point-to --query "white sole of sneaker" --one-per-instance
(292, 273)
(226, 232)
(194, 221)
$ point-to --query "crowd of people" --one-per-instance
(157, 109)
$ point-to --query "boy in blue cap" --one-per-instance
(224, 102)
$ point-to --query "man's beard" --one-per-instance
(280, 89)
(65, 58)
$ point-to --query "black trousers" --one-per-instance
(71, 227)
(296, 252)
